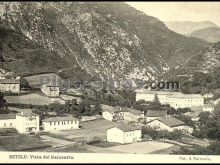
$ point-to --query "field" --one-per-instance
(33, 99)
(21, 142)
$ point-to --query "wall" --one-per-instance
(14, 88)
(8, 123)
(107, 115)
(56, 126)
(27, 124)
(115, 135)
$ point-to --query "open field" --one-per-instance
(33, 99)
(142, 147)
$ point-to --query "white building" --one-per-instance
(10, 85)
(60, 123)
(174, 99)
(23, 122)
(121, 113)
(27, 122)
(124, 134)
(155, 114)
(51, 90)
(170, 124)
(186, 101)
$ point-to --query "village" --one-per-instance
(107, 128)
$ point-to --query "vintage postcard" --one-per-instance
(109, 82)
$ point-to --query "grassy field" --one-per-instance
(33, 99)
(21, 142)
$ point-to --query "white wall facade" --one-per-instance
(8, 123)
(27, 124)
(14, 88)
(118, 136)
(51, 91)
(54, 126)
(107, 115)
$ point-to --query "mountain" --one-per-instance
(210, 34)
(89, 40)
(187, 27)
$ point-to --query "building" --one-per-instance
(170, 124)
(208, 107)
(129, 114)
(10, 85)
(186, 100)
(7, 120)
(60, 123)
(111, 113)
(124, 134)
(24, 122)
(51, 90)
(155, 114)
(27, 122)
(174, 99)
(121, 113)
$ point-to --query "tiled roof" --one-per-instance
(7, 116)
(156, 113)
(126, 128)
(171, 121)
(56, 119)
(9, 81)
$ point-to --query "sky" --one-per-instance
(181, 11)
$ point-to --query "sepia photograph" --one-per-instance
(122, 82)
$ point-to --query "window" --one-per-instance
(50, 123)
(4, 124)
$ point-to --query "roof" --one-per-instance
(7, 116)
(131, 110)
(126, 128)
(170, 121)
(145, 91)
(27, 114)
(56, 119)
(156, 113)
(108, 108)
(9, 81)
(186, 96)
(209, 106)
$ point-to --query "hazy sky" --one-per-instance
(181, 11)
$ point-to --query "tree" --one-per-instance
(3, 104)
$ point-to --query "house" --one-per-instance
(216, 101)
(50, 90)
(60, 123)
(10, 85)
(121, 113)
(170, 124)
(130, 114)
(124, 134)
(27, 122)
(24, 122)
(155, 114)
(111, 113)
(7, 120)
(208, 107)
